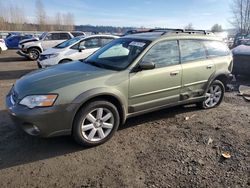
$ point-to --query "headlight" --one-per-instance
(33, 101)
(47, 56)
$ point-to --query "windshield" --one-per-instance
(118, 54)
(42, 36)
(68, 42)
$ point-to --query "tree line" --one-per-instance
(13, 18)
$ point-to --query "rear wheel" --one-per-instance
(33, 53)
(214, 95)
(1, 50)
(95, 123)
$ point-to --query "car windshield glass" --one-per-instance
(42, 36)
(68, 42)
(118, 54)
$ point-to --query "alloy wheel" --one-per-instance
(213, 96)
(97, 124)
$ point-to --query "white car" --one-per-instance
(73, 49)
(3, 46)
(32, 48)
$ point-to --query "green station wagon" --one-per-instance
(132, 75)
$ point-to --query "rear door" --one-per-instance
(197, 68)
(159, 86)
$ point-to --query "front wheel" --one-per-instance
(95, 123)
(214, 95)
(33, 54)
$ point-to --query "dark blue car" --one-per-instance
(13, 41)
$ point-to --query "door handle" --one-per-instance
(210, 66)
(174, 73)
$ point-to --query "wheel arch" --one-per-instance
(36, 47)
(114, 97)
(223, 76)
(64, 60)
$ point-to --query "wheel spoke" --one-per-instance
(107, 117)
(107, 125)
(211, 89)
(92, 134)
(101, 133)
(207, 101)
(91, 118)
(99, 113)
(87, 127)
(216, 89)
(217, 94)
(211, 102)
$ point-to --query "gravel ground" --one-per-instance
(160, 149)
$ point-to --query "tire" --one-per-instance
(33, 54)
(214, 95)
(1, 50)
(95, 123)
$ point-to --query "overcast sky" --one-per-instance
(148, 13)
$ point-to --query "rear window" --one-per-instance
(192, 50)
(216, 49)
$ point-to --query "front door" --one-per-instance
(160, 86)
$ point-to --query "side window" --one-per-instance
(90, 43)
(53, 36)
(64, 36)
(216, 48)
(105, 41)
(192, 50)
(163, 54)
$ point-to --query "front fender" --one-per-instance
(99, 92)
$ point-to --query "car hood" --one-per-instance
(241, 50)
(48, 80)
(28, 40)
(53, 51)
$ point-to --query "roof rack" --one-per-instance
(190, 31)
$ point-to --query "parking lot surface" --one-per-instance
(177, 147)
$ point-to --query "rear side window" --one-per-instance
(163, 54)
(216, 49)
(64, 36)
(192, 50)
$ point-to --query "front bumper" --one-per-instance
(47, 62)
(43, 122)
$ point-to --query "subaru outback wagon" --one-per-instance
(132, 75)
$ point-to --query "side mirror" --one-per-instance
(81, 48)
(145, 65)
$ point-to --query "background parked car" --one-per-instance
(3, 47)
(13, 41)
(241, 56)
(32, 48)
(73, 49)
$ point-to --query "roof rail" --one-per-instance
(190, 31)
